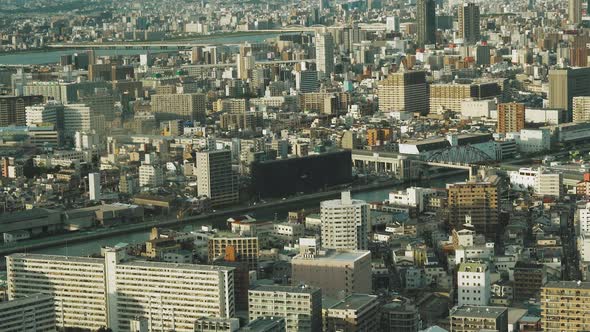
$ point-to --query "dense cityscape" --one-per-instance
(294, 166)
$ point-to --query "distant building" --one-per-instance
(565, 84)
(94, 186)
(12, 109)
(426, 22)
(469, 23)
(510, 117)
(233, 247)
(345, 223)
(188, 106)
(215, 178)
(404, 91)
(324, 51)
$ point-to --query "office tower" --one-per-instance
(392, 24)
(324, 54)
(426, 22)
(48, 113)
(94, 186)
(565, 306)
(185, 106)
(574, 11)
(479, 318)
(354, 313)
(581, 109)
(307, 81)
(234, 248)
(400, 315)
(510, 117)
(345, 223)
(482, 55)
(77, 285)
(565, 84)
(31, 313)
(301, 306)
(94, 292)
(245, 62)
(475, 202)
(215, 178)
(337, 273)
(528, 280)
(13, 109)
(473, 284)
(404, 91)
(469, 23)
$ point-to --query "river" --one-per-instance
(53, 56)
(93, 246)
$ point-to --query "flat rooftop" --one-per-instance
(478, 311)
(353, 302)
(285, 289)
(567, 284)
(333, 256)
(58, 258)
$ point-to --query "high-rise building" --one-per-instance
(581, 109)
(337, 273)
(404, 91)
(48, 113)
(345, 223)
(449, 97)
(469, 23)
(215, 178)
(475, 202)
(80, 118)
(90, 293)
(355, 313)
(392, 24)
(574, 11)
(426, 22)
(94, 186)
(565, 84)
(307, 81)
(473, 284)
(12, 109)
(324, 54)
(151, 175)
(479, 318)
(186, 106)
(301, 306)
(565, 306)
(510, 117)
(30, 313)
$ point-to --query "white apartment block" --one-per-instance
(32, 313)
(114, 291)
(413, 196)
(300, 306)
(151, 175)
(543, 184)
(473, 283)
(345, 223)
(584, 219)
(47, 113)
(77, 285)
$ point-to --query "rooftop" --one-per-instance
(354, 302)
(285, 289)
(332, 256)
(567, 284)
(478, 311)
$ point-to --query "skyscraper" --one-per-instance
(215, 178)
(426, 19)
(510, 117)
(574, 11)
(565, 84)
(94, 186)
(469, 23)
(324, 53)
(345, 223)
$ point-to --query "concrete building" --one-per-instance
(186, 106)
(151, 175)
(215, 177)
(400, 315)
(345, 223)
(565, 306)
(324, 54)
(476, 201)
(478, 318)
(565, 84)
(469, 30)
(31, 313)
(574, 11)
(337, 273)
(449, 97)
(12, 109)
(94, 292)
(426, 22)
(473, 284)
(534, 140)
(301, 306)
(94, 186)
(404, 91)
(581, 109)
(355, 313)
(510, 117)
(233, 247)
(48, 113)
(212, 324)
(528, 280)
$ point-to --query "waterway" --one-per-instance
(53, 56)
(93, 246)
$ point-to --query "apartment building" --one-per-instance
(478, 318)
(235, 247)
(565, 306)
(30, 313)
(345, 223)
(355, 313)
(404, 91)
(186, 106)
(301, 306)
